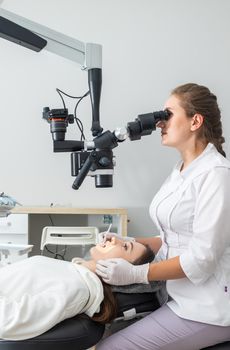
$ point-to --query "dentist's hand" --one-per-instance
(105, 236)
(120, 272)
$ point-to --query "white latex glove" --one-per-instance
(120, 272)
(105, 236)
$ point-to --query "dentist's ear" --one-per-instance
(197, 121)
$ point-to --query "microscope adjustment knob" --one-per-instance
(104, 161)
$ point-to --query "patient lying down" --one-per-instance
(39, 292)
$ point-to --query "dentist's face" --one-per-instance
(176, 132)
(116, 248)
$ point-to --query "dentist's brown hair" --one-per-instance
(199, 99)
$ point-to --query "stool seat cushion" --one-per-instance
(78, 332)
(222, 346)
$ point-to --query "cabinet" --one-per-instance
(25, 224)
(14, 229)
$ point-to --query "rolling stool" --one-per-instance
(222, 346)
(76, 333)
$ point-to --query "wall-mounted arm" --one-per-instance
(88, 55)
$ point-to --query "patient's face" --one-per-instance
(116, 248)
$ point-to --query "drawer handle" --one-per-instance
(7, 224)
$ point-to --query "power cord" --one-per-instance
(57, 254)
(79, 98)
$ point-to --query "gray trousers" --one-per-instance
(164, 330)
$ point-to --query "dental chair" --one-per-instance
(76, 333)
(80, 332)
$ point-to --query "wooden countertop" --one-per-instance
(67, 210)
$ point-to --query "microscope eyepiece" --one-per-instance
(144, 124)
(161, 115)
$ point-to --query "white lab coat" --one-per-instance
(192, 212)
(39, 292)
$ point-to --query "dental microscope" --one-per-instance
(94, 157)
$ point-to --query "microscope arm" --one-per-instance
(88, 55)
(36, 37)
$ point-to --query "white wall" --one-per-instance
(149, 47)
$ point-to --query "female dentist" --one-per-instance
(192, 213)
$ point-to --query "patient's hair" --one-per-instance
(108, 307)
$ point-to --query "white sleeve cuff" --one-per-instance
(191, 269)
